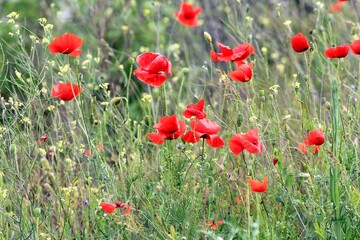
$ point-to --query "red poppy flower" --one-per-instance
(196, 110)
(337, 52)
(168, 128)
(316, 149)
(108, 207)
(204, 128)
(299, 43)
(336, 7)
(65, 91)
(315, 137)
(126, 206)
(275, 161)
(243, 73)
(238, 199)
(153, 67)
(213, 226)
(188, 14)
(68, 43)
(43, 138)
(239, 53)
(257, 186)
(303, 148)
(248, 141)
(88, 151)
(355, 47)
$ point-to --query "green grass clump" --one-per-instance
(96, 147)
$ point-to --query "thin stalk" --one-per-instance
(127, 91)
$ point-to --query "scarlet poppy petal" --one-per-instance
(159, 64)
(182, 129)
(205, 126)
(188, 14)
(66, 44)
(316, 137)
(214, 141)
(168, 125)
(355, 47)
(152, 79)
(196, 110)
(299, 43)
(156, 138)
(76, 53)
(257, 186)
(65, 91)
(108, 207)
(242, 52)
(243, 73)
(235, 144)
(251, 147)
(146, 58)
(316, 149)
(191, 137)
(337, 52)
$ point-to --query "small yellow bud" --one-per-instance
(207, 37)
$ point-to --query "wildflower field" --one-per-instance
(127, 119)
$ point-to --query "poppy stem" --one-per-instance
(263, 204)
(246, 166)
(203, 150)
(127, 91)
(163, 100)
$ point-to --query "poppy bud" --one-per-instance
(207, 37)
(327, 105)
(13, 149)
(275, 161)
(271, 97)
(131, 61)
(261, 93)
(262, 99)
(185, 70)
(37, 212)
(76, 62)
(115, 101)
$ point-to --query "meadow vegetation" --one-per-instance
(106, 163)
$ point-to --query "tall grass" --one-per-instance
(52, 189)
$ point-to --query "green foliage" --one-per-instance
(97, 149)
